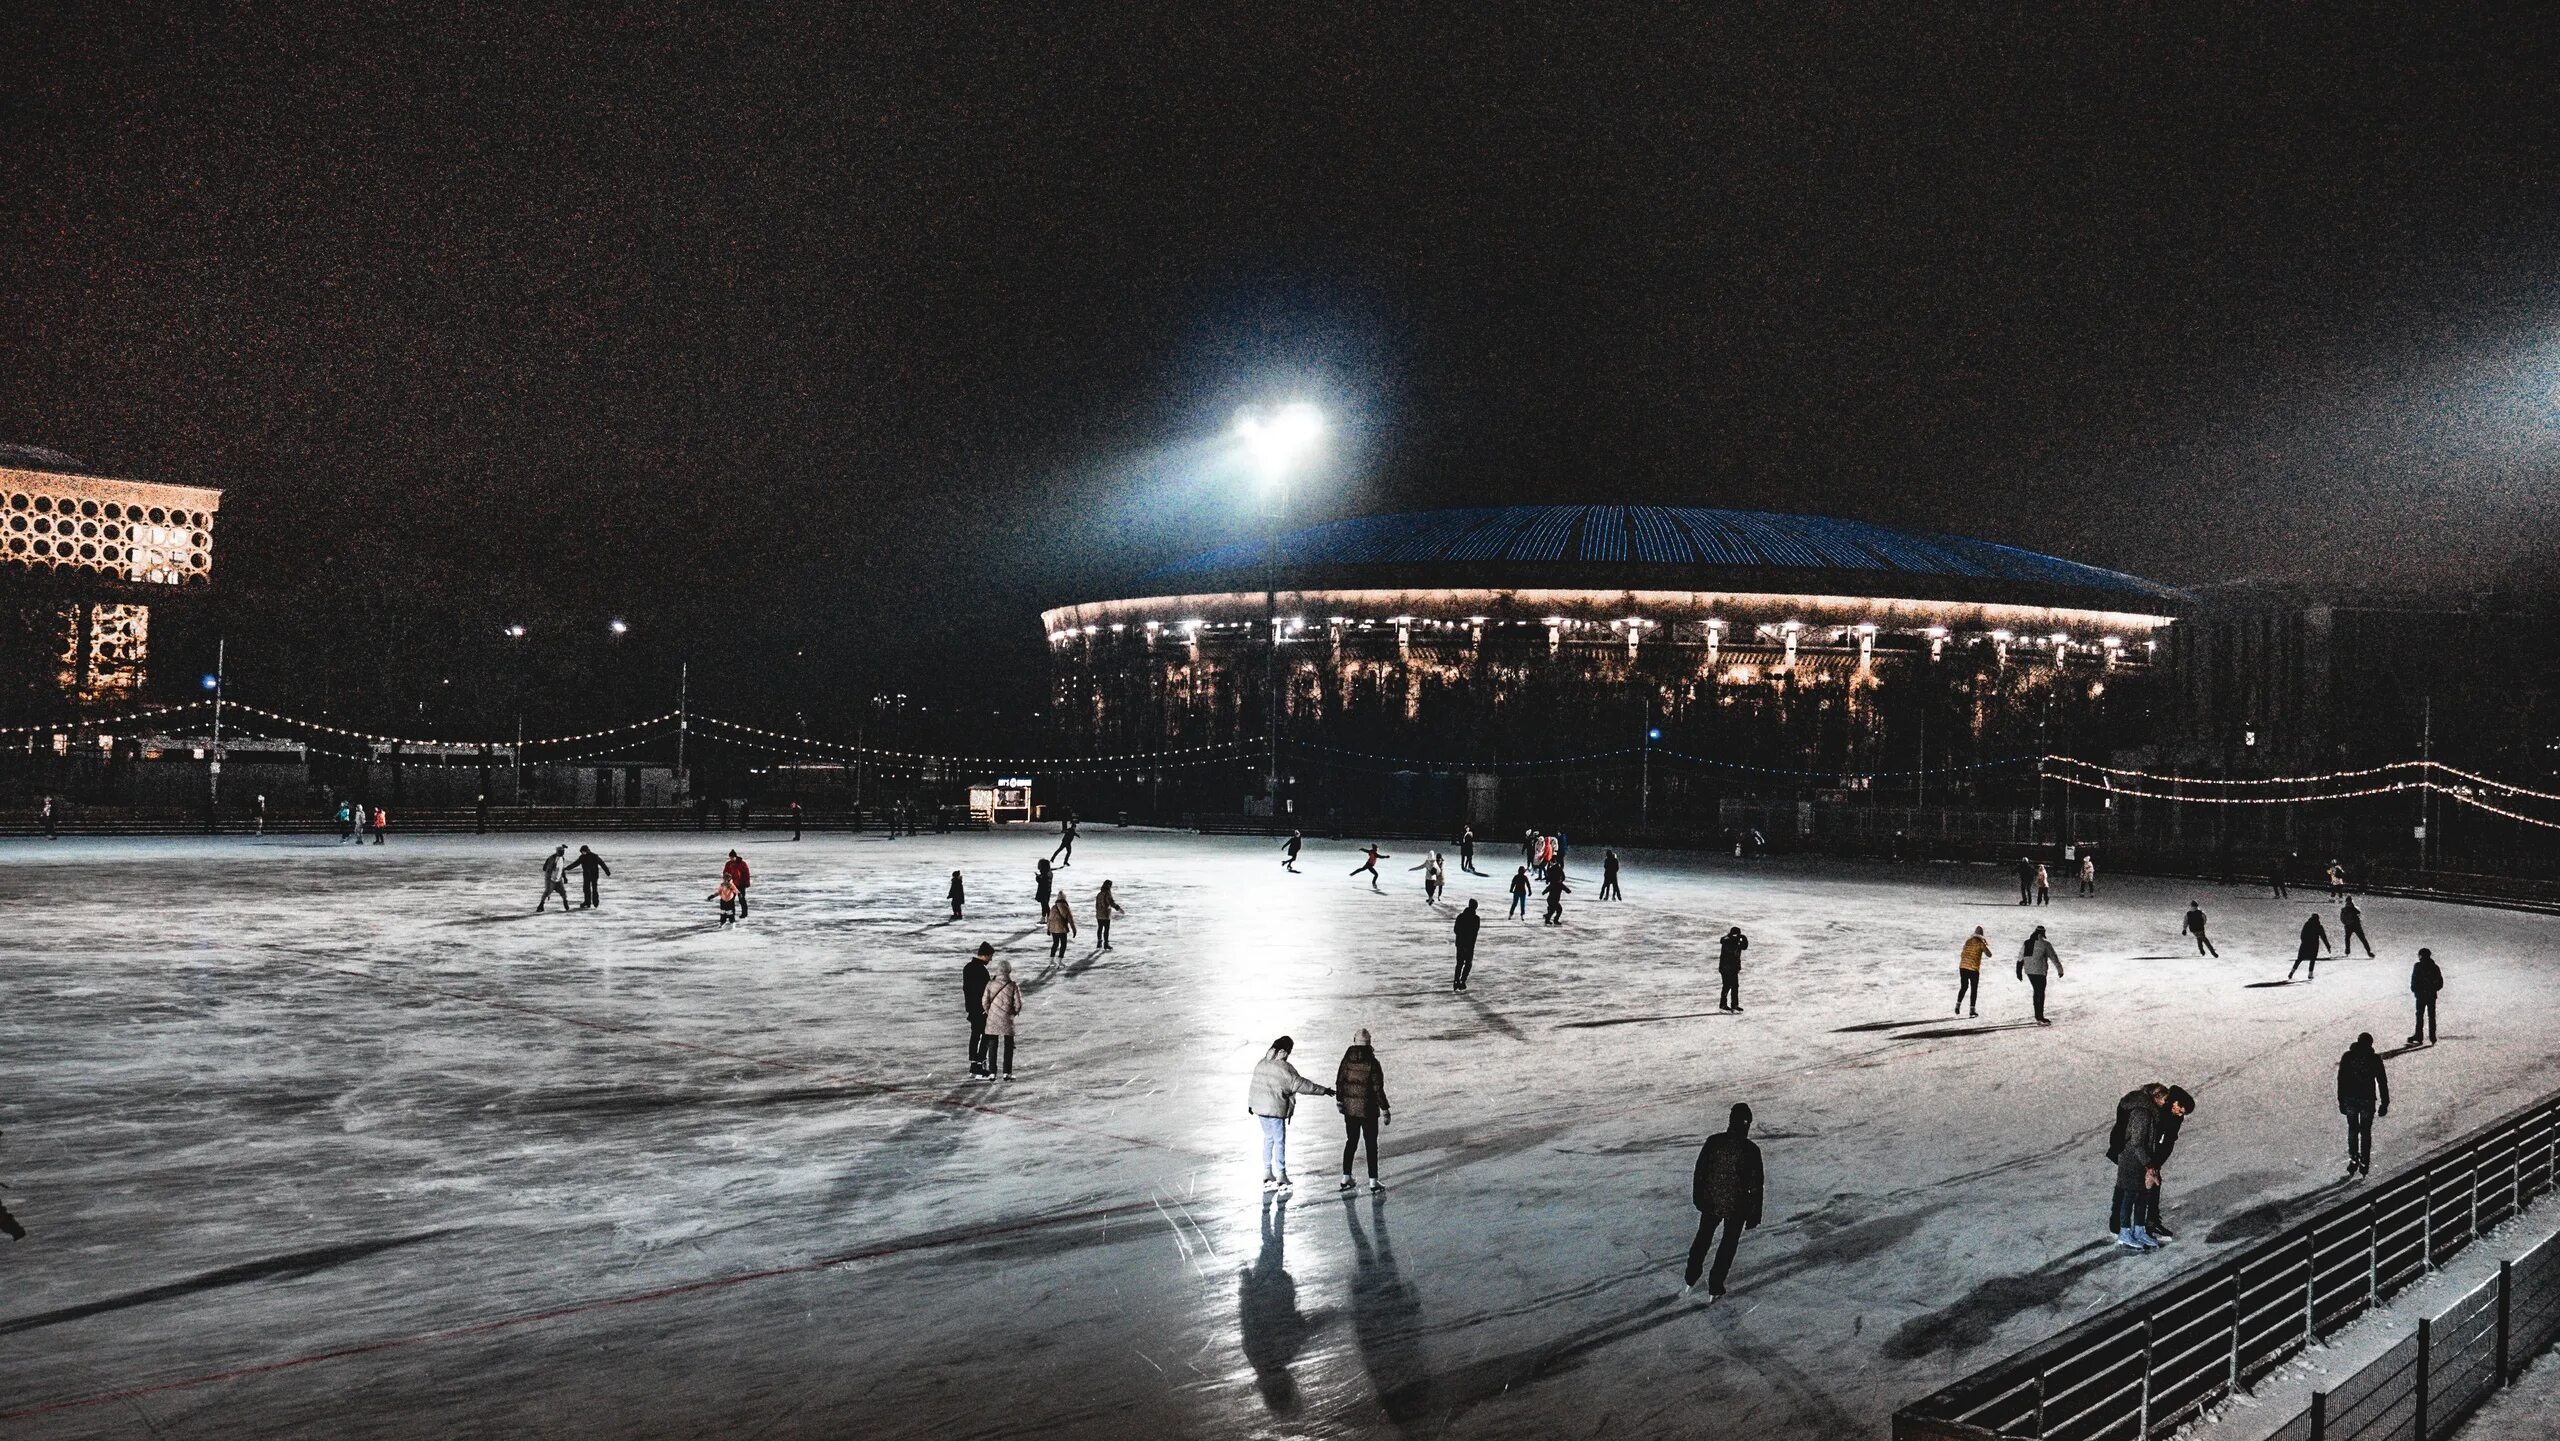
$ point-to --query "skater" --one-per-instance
(53, 832)
(1360, 1094)
(1729, 969)
(2426, 980)
(1003, 1002)
(1726, 1190)
(1042, 878)
(2337, 880)
(2364, 1092)
(588, 865)
(1065, 854)
(1369, 859)
(727, 896)
(1609, 877)
(1104, 908)
(2026, 880)
(381, 824)
(2276, 878)
(2315, 939)
(1519, 894)
(1289, 852)
(1557, 890)
(1468, 923)
(1430, 868)
(973, 1001)
(2129, 1150)
(735, 873)
(258, 821)
(2164, 1139)
(346, 822)
(2044, 885)
(2033, 962)
(2194, 926)
(1969, 973)
(795, 820)
(959, 894)
(555, 880)
(2351, 930)
(1272, 1098)
(1467, 850)
(1060, 924)
(2088, 875)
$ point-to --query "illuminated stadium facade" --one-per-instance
(1827, 653)
(83, 561)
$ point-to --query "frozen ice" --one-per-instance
(325, 1141)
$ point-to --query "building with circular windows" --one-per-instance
(82, 560)
(1752, 650)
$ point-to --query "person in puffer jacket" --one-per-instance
(1360, 1094)
(1273, 1099)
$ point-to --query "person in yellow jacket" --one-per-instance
(1969, 973)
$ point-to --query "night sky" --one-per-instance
(868, 335)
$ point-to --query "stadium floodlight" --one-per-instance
(1277, 440)
(516, 631)
(618, 627)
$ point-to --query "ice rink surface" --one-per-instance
(325, 1141)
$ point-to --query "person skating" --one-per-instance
(2337, 875)
(1519, 894)
(1468, 923)
(959, 894)
(1060, 923)
(555, 881)
(1431, 873)
(381, 825)
(1969, 973)
(734, 871)
(346, 822)
(2194, 926)
(2364, 1092)
(588, 865)
(1042, 879)
(2044, 885)
(1726, 1188)
(727, 896)
(973, 1001)
(1557, 890)
(2164, 1139)
(1272, 1098)
(2038, 957)
(1065, 854)
(1729, 969)
(1003, 1002)
(53, 832)
(795, 820)
(2426, 981)
(1289, 852)
(1105, 906)
(2315, 939)
(2276, 874)
(1467, 850)
(2026, 880)
(1609, 877)
(2136, 1130)
(2351, 930)
(1369, 859)
(1360, 1094)
(2088, 875)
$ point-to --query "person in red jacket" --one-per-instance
(735, 873)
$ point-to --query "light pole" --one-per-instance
(1277, 442)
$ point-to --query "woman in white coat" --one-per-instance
(1273, 1099)
(1004, 1002)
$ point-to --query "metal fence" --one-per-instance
(2152, 1363)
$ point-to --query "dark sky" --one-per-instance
(875, 332)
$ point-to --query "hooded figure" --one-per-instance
(1360, 1094)
(2364, 1092)
(959, 895)
(2426, 979)
(1465, 929)
(1726, 1190)
(1003, 1003)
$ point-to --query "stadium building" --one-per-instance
(1478, 661)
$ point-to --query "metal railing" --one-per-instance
(2152, 1363)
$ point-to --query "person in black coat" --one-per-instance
(2026, 880)
(588, 864)
(2315, 939)
(1609, 877)
(2425, 980)
(2351, 930)
(959, 894)
(2364, 1092)
(1729, 969)
(1726, 1190)
(973, 1000)
(2194, 926)
(1468, 923)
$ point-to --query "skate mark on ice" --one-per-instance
(1816, 1413)
(291, 1266)
(1976, 1319)
(1634, 1020)
(1428, 1400)
(2273, 1216)
(1883, 1025)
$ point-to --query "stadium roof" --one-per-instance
(1659, 548)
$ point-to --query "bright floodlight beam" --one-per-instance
(1277, 442)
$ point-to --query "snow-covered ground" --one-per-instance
(339, 1142)
(2526, 1411)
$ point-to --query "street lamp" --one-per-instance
(1277, 442)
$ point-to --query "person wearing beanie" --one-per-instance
(1003, 1003)
(1360, 1094)
(1726, 1189)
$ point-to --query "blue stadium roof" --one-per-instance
(1646, 547)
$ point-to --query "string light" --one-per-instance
(2346, 775)
(121, 722)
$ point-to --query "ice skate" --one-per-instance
(1347, 1184)
(1284, 1183)
(1376, 1185)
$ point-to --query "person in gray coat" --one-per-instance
(2033, 962)
(1726, 1188)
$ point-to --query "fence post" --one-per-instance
(2310, 1287)
(2426, 1348)
(2319, 1416)
(2143, 1428)
(2372, 1254)
(2426, 1222)
(2506, 1283)
(2235, 1329)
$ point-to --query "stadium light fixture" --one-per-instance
(1277, 440)
(618, 627)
